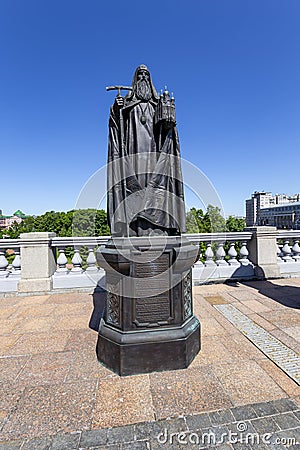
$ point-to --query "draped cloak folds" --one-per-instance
(144, 178)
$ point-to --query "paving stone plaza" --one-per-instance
(55, 395)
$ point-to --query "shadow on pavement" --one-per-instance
(99, 299)
(285, 295)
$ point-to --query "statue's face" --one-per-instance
(143, 74)
(143, 88)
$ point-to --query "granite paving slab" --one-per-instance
(6, 311)
(50, 370)
(8, 325)
(81, 340)
(33, 343)
(122, 398)
(285, 383)
(32, 300)
(38, 310)
(247, 382)
(183, 392)
(10, 367)
(50, 409)
(6, 342)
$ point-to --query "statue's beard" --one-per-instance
(143, 90)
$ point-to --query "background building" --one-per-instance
(278, 210)
(7, 221)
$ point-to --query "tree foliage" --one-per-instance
(212, 221)
(235, 224)
(92, 222)
(84, 222)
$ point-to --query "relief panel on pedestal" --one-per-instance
(113, 300)
(187, 296)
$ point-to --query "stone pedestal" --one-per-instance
(149, 323)
(38, 262)
(263, 251)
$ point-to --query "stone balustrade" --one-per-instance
(288, 252)
(224, 256)
(42, 262)
(82, 273)
(10, 272)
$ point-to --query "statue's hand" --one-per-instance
(119, 101)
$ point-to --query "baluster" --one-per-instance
(232, 253)
(62, 262)
(17, 262)
(198, 266)
(76, 261)
(209, 254)
(220, 255)
(3, 264)
(279, 252)
(244, 254)
(287, 251)
(199, 256)
(91, 262)
(199, 262)
(296, 250)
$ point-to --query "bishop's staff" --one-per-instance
(122, 136)
(119, 89)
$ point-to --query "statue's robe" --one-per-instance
(145, 189)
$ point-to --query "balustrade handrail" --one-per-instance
(10, 243)
(195, 238)
(219, 237)
(288, 234)
(71, 241)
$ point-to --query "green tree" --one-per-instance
(217, 221)
(101, 225)
(85, 222)
(26, 226)
(210, 222)
(191, 223)
(235, 224)
(198, 219)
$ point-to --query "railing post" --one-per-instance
(38, 262)
(263, 251)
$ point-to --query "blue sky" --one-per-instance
(233, 65)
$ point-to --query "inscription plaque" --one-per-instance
(155, 309)
(152, 284)
(152, 277)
